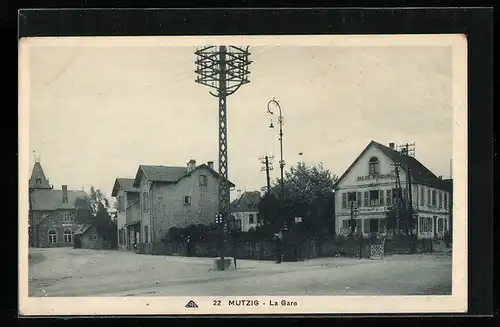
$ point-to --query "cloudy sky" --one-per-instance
(96, 113)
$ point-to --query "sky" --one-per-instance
(97, 113)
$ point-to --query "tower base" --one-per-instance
(226, 264)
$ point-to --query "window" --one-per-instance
(374, 198)
(203, 180)
(373, 166)
(428, 198)
(94, 236)
(145, 205)
(67, 218)
(381, 225)
(345, 223)
(67, 236)
(344, 200)
(359, 200)
(250, 218)
(440, 226)
(373, 225)
(425, 225)
(388, 197)
(351, 197)
(446, 201)
(440, 199)
(422, 196)
(434, 198)
(366, 197)
(38, 181)
(187, 200)
(381, 196)
(52, 236)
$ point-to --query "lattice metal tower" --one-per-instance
(403, 201)
(225, 70)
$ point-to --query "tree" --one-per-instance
(95, 210)
(308, 193)
(269, 210)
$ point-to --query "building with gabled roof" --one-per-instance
(172, 196)
(367, 188)
(245, 211)
(52, 213)
(88, 237)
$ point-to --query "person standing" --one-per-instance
(278, 248)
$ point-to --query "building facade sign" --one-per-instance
(374, 177)
(373, 209)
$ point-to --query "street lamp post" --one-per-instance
(282, 162)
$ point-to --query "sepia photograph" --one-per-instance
(243, 174)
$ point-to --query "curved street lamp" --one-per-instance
(282, 162)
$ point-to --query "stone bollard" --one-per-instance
(229, 264)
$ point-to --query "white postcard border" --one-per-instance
(457, 302)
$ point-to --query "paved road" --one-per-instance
(77, 272)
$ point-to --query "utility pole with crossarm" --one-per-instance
(225, 70)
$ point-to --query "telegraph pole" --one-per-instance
(225, 70)
(408, 150)
(267, 161)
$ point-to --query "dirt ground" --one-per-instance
(78, 272)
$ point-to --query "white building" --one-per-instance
(245, 211)
(370, 182)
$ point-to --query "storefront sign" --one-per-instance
(372, 177)
(372, 209)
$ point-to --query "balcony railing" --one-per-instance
(133, 212)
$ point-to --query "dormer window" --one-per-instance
(373, 166)
(38, 181)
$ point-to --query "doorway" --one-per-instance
(374, 225)
(78, 242)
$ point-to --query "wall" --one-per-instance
(88, 241)
(133, 212)
(121, 219)
(350, 183)
(145, 210)
(56, 222)
(361, 169)
(124, 216)
(33, 234)
(169, 208)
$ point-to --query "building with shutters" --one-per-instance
(162, 197)
(245, 211)
(366, 192)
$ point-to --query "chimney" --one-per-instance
(65, 193)
(191, 165)
(210, 164)
(391, 145)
